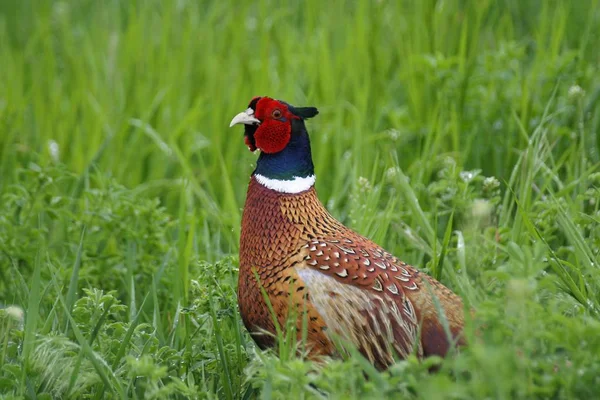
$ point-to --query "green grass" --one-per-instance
(461, 136)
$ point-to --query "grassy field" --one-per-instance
(461, 136)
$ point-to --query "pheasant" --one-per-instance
(339, 284)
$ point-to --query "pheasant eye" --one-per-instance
(276, 114)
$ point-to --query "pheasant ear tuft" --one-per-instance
(305, 112)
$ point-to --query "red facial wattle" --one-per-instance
(275, 130)
(272, 137)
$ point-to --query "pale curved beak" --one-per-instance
(246, 118)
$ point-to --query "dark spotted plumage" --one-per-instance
(349, 287)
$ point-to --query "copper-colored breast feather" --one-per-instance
(350, 287)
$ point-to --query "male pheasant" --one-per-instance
(339, 283)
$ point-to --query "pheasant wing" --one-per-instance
(359, 292)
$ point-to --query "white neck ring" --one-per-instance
(296, 185)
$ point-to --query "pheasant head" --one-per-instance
(277, 129)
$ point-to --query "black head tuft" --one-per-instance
(304, 112)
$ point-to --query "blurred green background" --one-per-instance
(144, 90)
(462, 136)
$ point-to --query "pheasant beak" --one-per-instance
(246, 118)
